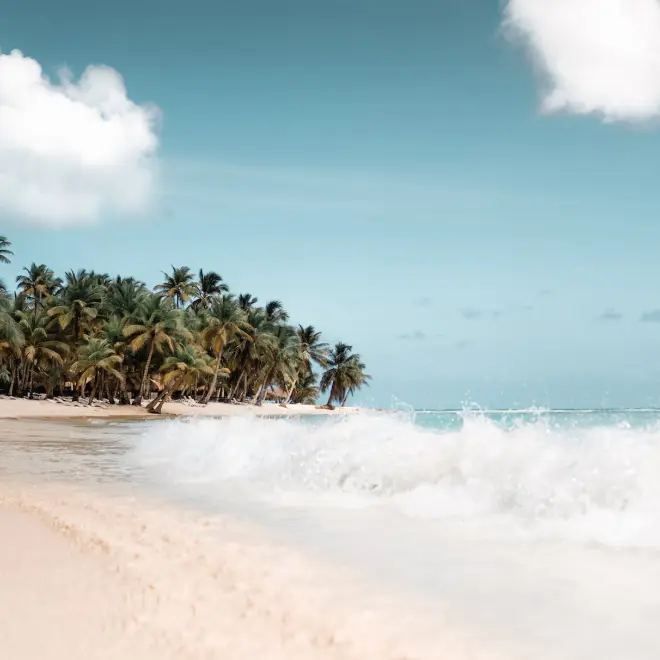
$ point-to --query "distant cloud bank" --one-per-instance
(72, 151)
(650, 317)
(610, 315)
(594, 56)
(416, 335)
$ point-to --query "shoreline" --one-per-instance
(15, 408)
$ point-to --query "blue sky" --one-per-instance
(386, 169)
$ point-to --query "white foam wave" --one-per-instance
(594, 484)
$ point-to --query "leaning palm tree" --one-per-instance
(5, 252)
(183, 369)
(38, 284)
(312, 350)
(209, 286)
(156, 327)
(180, 286)
(95, 358)
(358, 378)
(224, 321)
(345, 374)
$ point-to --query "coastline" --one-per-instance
(13, 408)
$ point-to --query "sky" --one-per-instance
(465, 191)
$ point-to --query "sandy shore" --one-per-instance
(24, 408)
(85, 575)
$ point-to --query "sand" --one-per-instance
(88, 575)
(24, 408)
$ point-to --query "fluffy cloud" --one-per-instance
(595, 56)
(72, 151)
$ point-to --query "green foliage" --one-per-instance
(113, 336)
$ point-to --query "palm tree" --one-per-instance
(93, 318)
(78, 303)
(123, 297)
(157, 326)
(312, 350)
(11, 338)
(113, 333)
(5, 252)
(358, 376)
(246, 352)
(184, 368)
(247, 301)
(96, 358)
(209, 286)
(38, 284)
(275, 312)
(345, 374)
(306, 390)
(224, 321)
(40, 349)
(180, 286)
(281, 360)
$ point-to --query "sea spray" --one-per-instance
(529, 473)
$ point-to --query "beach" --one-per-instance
(114, 578)
(11, 407)
(337, 537)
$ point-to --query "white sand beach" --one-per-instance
(329, 539)
(16, 408)
(85, 576)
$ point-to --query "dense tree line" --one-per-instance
(107, 337)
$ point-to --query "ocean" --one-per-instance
(538, 531)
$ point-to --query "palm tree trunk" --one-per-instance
(234, 389)
(22, 382)
(331, 397)
(14, 370)
(211, 389)
(31, 379)
(93, 392)
(261, 395)
(293, 387)
(163, 394)
(145, 376)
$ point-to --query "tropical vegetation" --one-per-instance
(94, 336)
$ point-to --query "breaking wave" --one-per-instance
(597, 483)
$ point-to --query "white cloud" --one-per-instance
(72, 151)
(596, 56)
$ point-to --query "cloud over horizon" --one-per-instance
(72, 151)
(416, 335)
(610, 315)
(594, 56)
(650, 317)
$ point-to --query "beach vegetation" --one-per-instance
(92, 336)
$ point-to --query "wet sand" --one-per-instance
(85, 575)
